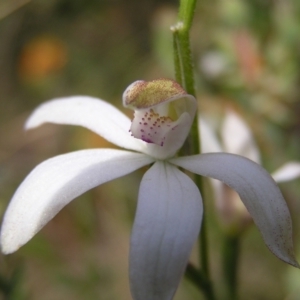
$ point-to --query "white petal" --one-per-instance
(209, 142)
(237, 137)
(92, 113)
(257, 190)
(166, 225)
(57, 181)
(287, 172)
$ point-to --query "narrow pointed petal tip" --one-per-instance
(287, 172)
(56, 182)
(257, 190)
(167, 224)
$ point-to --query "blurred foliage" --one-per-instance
(247, 57)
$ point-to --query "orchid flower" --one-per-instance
(169, 209)
(236, 138)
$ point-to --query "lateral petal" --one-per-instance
(167, 223)
(95, 114)
(57, 181)
(257, 190)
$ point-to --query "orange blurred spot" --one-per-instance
(249, 58)
(42, 56)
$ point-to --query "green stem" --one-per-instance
(231, 250)
(182, 55)
(8, 286)
(196, 277)
(5, 287)
(184, 72)
(182, 51)
(185, 76)
(203, 246)
(186, 13)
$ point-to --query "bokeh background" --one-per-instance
(247, 57)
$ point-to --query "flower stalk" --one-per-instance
(183, 64)
(181, 41)
(185, 76)
(231, 251)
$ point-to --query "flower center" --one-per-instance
(150, 127)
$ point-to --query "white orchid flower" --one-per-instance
(236, 138)
(169, 208)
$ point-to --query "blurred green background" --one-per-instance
(247, 57)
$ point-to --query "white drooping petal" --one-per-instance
(232, 212)
(209, 142)
(237, 137)
(287, 172)
(57, 181)
(166, 225)
(257, 190)
(92, 113)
